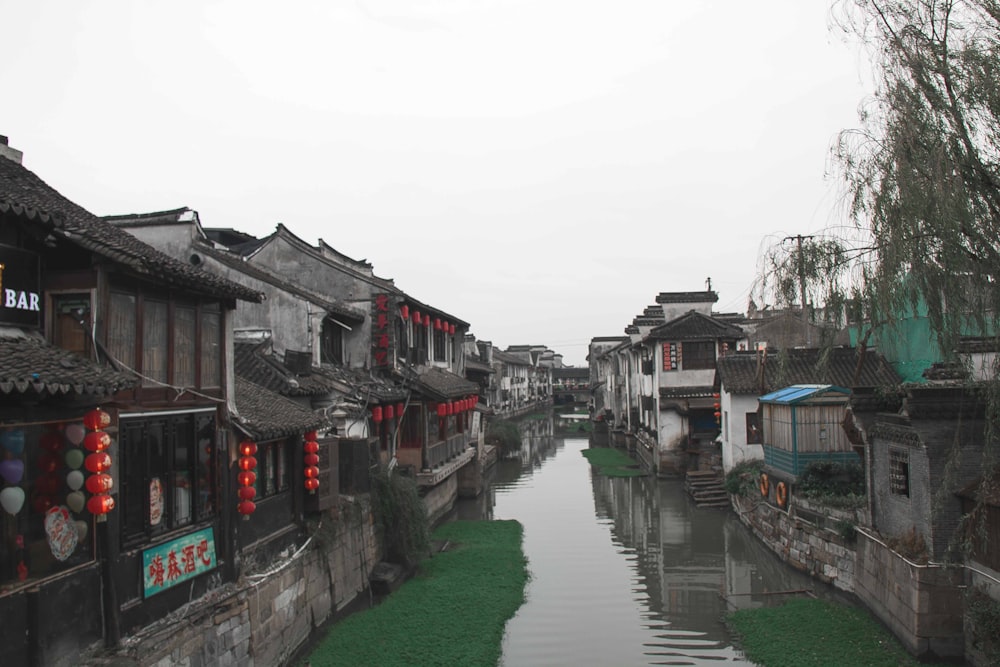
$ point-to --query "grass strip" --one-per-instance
(452, 613)
(814, 633)
(613, 462)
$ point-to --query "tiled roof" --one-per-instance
(473, 364)
(694, 325)
(685, 392)
(25, 195)
(507, 358)
(30, 365)
(266, 415)
(737, 372)
(253, 362)
(687, 297)
(440, 383)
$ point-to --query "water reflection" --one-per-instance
(624, 571)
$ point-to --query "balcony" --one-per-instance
(444, 458)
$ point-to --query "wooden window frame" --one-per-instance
(693, 361)
(139, 467)
(204, 312)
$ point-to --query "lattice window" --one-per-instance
(899, 472)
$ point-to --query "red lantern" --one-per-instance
(311, 459)
(97, 462)
(51, 441)
(312, 484)
(247, 463)
(100, 505)
(390, 412)
(99, 483)
(246, 478)
(246, 508)
(416, 316)
(377, 414)
(248, 448)
(450, 408)
(41, 504)
(97, 441)
(437, 324)
(96, 419)
(311, 472)
(48, 462)
(404, 312)
(399, 410)
(442, 409)
(48, 484)
(311, 435)
(311, 447)
(451, 329)
(247, 493)
(427, 320)
(717, 415)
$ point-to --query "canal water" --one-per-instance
(624, 571)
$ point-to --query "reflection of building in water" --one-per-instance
(689, 562)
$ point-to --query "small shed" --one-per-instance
(803, 423)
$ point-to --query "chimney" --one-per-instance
(8, 152)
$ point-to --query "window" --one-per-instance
(272, 468)
(899, 472)
(184, 346)
(211, 354)
(754, 436)
(121, 328)
(71, 322)
(167, 472)
(439, 345)
(699, 355)
(331, 350)
(154, 343)
(44, 461)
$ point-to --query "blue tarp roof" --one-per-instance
(797, 393)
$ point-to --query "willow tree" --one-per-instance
(923, 172)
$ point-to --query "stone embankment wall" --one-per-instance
(266, 617)
(816, 550)
(921, 605)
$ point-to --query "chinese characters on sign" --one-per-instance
(671, 356)
(171, 563)
(381, 330)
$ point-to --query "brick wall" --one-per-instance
(265, 617)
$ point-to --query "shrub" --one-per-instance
(744, 478)
(503, 434)
(829, 478)
(401, 517)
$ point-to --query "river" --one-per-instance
(624, 571)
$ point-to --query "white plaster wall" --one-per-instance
(735, 449)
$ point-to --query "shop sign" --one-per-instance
(173, 562)
(20, 293)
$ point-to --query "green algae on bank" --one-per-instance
(613, 462)
(816, 633)
(453, 612)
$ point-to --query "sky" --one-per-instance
(541, 169)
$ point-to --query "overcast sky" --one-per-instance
(539, 168)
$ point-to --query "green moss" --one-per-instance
(452, 613)
(813, 633)
(613, 462)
